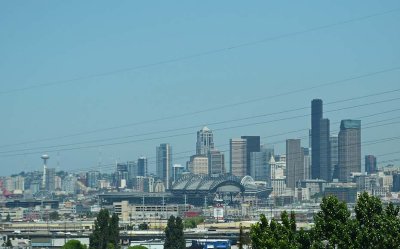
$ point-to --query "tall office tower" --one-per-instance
(260, 169)
(349, 148)
(19, 183)
(216, 163)
(238, 157)
(316, 116)
(132, 173)
(334, 156)
(198, 165)
(396, 182)
(121, 175)
(142, 166)
(252, 145)
(50, 179)
(325, 172)
(370, 164)
(307, 163)
(294, 163)
(205, 141)
(320, 164)
(164, 164)
(69, 184)
(91, 178)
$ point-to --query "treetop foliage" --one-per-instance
(174, 237)
(372, 227)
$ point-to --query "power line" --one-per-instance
(181, 134)
(366, 143)
(202, 54)
(195, 126)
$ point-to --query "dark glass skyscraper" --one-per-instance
(370, 164)
(252, 145)
(316, 116)
(164, 164)
(142, 166)
(320, 131)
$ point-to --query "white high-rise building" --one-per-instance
(205, 141)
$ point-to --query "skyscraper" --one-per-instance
(164, 164)
(370, 164)
(349, 148)
(307, 163)
(238, 157)
(91, 178)
(252, 145)
(121, 175)
(316, 116)
(205, 141)
(216, 161)
(294, 162)
(142, 166)
(50, 179)
(260, 169)
(320, 131)
(334, 156)
(324, 163)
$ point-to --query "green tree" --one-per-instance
(372, 227)
(331, 223)
(193, 222)
(54, 215)
(114, 230)
(99, 239)
(137, 247)
(74, 244)
(174, 237)
(143, 226)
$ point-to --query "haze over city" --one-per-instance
(94, 84)
(199, 124)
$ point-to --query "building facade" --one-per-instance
(294, 163)
(164, 164)
(142, 166)
(216, 161)
(370, 164)
(198, 165)
(238, 157)
(349, 148)
(205, 141)
(334, 156)
(320, 133)
(252, 145)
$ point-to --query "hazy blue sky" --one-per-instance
(56, 41)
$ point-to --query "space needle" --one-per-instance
(45, 158)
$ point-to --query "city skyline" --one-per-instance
(65, 91)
